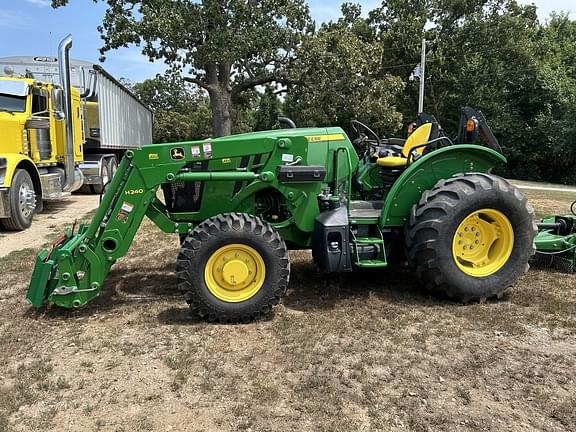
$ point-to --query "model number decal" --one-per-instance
(134, 191)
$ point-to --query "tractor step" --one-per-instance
(369, 240)
(371, 263)
(365, 210)
(374, 247)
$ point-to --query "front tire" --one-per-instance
(471, 237)
(22, 199)
(233, 268)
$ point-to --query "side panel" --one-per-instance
(423, 174)
(124, 121)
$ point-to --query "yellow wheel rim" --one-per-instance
(235, 273)
(483, 243)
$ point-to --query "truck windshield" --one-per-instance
(13, 95)
(12, 103)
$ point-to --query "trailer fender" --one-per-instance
(423, 174)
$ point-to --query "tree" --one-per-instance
(226, 46)
(339, 66)
(180, 111)
(496, 56)
(268, 110)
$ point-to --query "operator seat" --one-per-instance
(412, 149)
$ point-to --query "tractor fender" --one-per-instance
(424, 173)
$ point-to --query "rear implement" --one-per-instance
(556, 242)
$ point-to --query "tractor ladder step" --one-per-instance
(371, 263)
(368, 240)
(380, 261)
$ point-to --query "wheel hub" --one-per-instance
(26, 200)
(235, 273)
(483, 242)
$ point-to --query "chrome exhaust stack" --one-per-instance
(70, 183)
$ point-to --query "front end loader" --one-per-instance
(240, 203)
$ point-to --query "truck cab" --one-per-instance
(33, 145)
(63, 126)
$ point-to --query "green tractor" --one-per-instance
(240, 203)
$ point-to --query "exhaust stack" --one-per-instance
(64, 70)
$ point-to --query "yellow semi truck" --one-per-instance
(63, 127)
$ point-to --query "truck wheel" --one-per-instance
(471, 236)
(112, 167)
(233, 267)
(22, 199)
(99, 188)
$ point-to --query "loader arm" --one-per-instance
(72, 273)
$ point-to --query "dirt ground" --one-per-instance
(48, 223)
(357, 352)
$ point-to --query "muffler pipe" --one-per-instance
(64, 70)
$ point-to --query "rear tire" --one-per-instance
(99, 188)
(471, 237)
(233, 268)
(112, 167)
(22, 199)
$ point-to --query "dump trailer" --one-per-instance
(64, 125)
(240, 203)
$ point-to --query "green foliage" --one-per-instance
(180, 112)
(338, 67)
(266, 116)
(494, 55)
(224, 46)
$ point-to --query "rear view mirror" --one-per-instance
(57, 100)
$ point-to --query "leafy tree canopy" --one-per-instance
(224, 46)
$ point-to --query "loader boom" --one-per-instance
(72, 273)
(94, 248)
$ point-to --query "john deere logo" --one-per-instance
(177, 153)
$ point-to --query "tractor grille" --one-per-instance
(185, 197)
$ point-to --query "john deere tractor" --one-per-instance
(240, 203)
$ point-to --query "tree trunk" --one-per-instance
(221, 106)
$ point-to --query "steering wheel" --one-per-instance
(366, 137)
